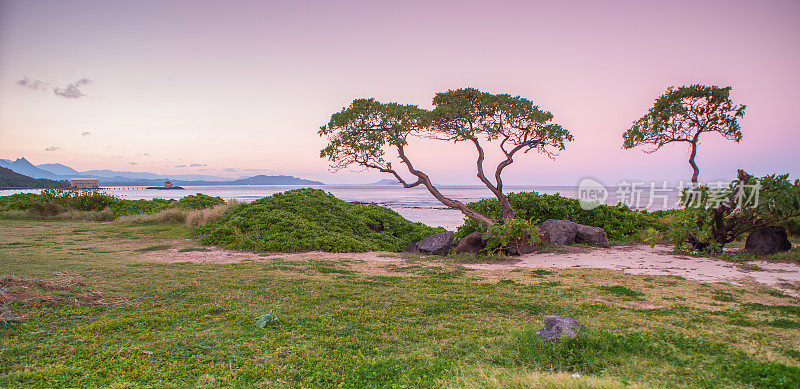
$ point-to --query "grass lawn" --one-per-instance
(120, 321)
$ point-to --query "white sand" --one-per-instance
(660, 261)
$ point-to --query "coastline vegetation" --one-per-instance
(309, 220)
(622, 225)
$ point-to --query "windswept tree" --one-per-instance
(681, 115)
(362, 133)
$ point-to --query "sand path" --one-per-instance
(637, 259)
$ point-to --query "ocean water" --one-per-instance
(415, 204)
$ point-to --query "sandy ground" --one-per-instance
(640, 259)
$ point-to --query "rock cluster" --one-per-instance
(565, 232)
(560, 232)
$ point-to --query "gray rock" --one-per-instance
(435, 244)
(473, 243)
(565, 232)
(594, 236)
(561, 232)
(557, 327)
(768, 240)
(412, 248)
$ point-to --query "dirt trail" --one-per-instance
(640, 259)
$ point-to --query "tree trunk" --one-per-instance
(455, 204)
(695, 169)
(497, 190)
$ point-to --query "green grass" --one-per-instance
(622, 291)
(342, 323)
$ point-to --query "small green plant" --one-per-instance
(512, 235)
(263, 321)
(651, 236)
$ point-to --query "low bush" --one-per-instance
(620, 222)
(512, 235)
(200, 201)
(311, 219)
(99, 206)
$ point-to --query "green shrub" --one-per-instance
(514, 234)
(54, 202)
(793, 226)
(200, 201)
(311, 219)
(136, 207)
(620, 222)
(718, 215)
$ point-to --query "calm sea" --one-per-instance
(415, 204)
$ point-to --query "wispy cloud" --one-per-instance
(32, 84)
(71, 91)
(133, 163)
(197, 165)
(86, 133)
(180, 165)
(52, 148)
(230, 169)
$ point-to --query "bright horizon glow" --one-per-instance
(241, 88)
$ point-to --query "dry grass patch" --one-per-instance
(18, 295)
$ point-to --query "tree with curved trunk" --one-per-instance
(361, 134)
(681, 115)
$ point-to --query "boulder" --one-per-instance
(768, 240)
(439, 244)
(565, 232)
(594, 236)
(473, 243)
(561, 232)
(557, 327)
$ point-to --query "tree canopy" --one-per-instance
(361, 133)
(682, 114)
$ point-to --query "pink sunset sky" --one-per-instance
(241, 88)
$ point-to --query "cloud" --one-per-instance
(230, 169)
(197, 165)
(133, 163)
(32, 84)
(52, 148)
(180, 165)
(86, 133)
(71, 91)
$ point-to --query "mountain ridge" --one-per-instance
(61, 172)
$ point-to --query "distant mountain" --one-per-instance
(12, 179)
(22, 166)
(61, 172)
(57, 168)
(273, 180)
(386, 181)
